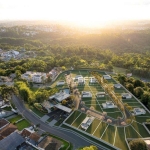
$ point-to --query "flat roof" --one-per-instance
(64, 108)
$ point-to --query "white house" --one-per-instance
(86, 94)
(126, 95)
(36, 77)
(87, 122)
(81, 81)
(100, 94)
(39, 77)
(60, 96)
(108, 104)
(92, 80)
(106, 76)
(139, 111)
(59, 83)
(78, 76)
(118, 86)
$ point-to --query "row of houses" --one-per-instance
(27, 139)
(40, 77)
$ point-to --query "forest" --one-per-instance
(106, 49)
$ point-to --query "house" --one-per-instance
(7, 130)
(39, 77)
(50, 143)
(139, 111)
(81, 81)
(60, 83)
(118, 86)
(109, 104)
(36, 77)
(86, 94)
(3, 123)
(34, 138)
(11, 142)
(59, 97)
(78, 76)
(106, 76)
(100, 94)
(87, 122)
(126, 95)
(92, 80)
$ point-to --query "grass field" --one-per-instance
(22, 124)
(14, 119)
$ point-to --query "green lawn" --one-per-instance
(131, 133)
(141, 118)
(93, 126)
(120, 139)
(36, 111)
(79, 120)
(110, 131)
(140, 129)
(100, 129)
(13, 120)
(22, 124)
(73, 117)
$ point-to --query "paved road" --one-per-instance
(74, 139)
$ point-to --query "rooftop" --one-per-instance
(3, 122)
(64, 108)
(11, 142)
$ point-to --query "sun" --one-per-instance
(81, 12)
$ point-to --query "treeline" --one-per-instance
(48, 57)
(31, 97)
(140, 89)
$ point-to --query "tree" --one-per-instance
(138, 91)
(138, 144)
(145, 98)
(90, 148)
(64, 102)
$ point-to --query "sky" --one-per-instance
(82, 12)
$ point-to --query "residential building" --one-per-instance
(59, 97)
(106, 76)
(100, 94)
(36, 77)
(126, 95)
(139, 111)
(87, 122)
(60, 83)
(86, 94)
(109, 104)
(118, 86)
(10, 54)
(92, 80)
(11, 142)
(81, 81)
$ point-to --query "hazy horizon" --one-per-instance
(84, 13)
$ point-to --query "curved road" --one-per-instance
(76, 140)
